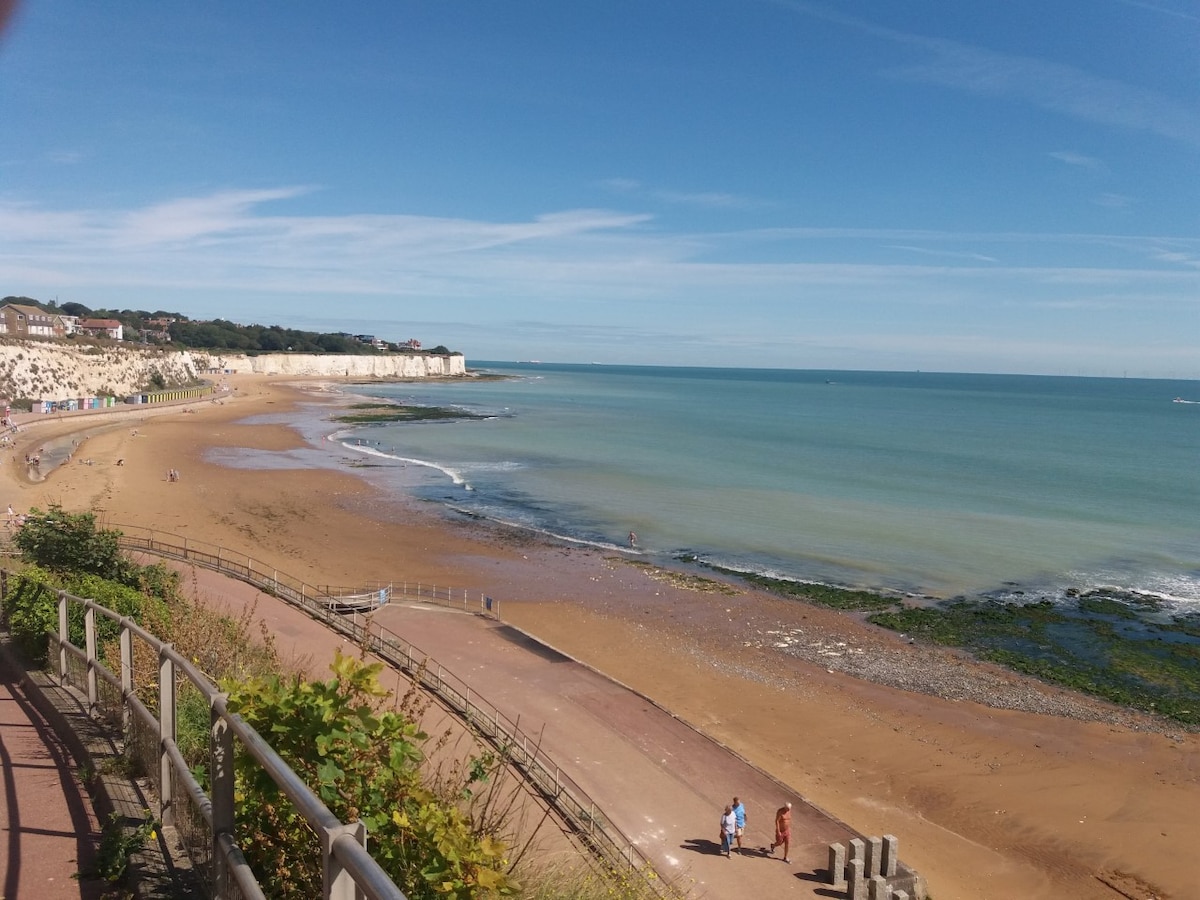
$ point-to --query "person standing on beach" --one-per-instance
(783, 830)
(728, 827)
(739, 815)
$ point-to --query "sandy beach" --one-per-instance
(1087, 802)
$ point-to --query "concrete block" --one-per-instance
(858, 850)
(874, 860)
(856, 882)
(878, 889)
(837, 864)
(891, 855)
(900, 895)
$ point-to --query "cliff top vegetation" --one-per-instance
(177, 330)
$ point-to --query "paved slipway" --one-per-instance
(50, 831)
(663, 783)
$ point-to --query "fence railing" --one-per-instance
(204, 819)
(602, 836)
(270, 580)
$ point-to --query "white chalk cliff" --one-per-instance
(58, 370)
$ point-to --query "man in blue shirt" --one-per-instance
(739, 814)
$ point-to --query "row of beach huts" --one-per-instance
(75, 404)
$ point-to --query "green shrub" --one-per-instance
(120, 599)
(365, 766)
(71, 542)
(31, 607)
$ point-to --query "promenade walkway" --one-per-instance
(50, 831)
(663, 783)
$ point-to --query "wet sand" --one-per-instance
(986, 801)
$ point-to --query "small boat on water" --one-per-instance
(1181, 400)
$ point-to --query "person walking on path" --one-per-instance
(728, 827)
(739, 815)
(783, 830)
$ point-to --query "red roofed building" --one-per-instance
(110, 328)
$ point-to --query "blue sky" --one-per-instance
(997, 186)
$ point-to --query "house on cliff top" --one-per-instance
(18, 320)
(109, 328)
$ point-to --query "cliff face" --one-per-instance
(56, 370)
(397, 365)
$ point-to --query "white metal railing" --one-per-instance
(349, 871)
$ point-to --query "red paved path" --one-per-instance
(49, 828)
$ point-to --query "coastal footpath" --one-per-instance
(57, 370)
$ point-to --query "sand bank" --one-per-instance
(987, 802)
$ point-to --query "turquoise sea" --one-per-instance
(931, 484)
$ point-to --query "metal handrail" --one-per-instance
(350, 872)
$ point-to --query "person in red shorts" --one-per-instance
(783, 830)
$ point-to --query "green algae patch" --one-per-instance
(1122, 648)
(381, 413)
(818, 594)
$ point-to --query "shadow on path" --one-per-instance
(66, 793)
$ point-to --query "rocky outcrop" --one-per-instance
(58, 370)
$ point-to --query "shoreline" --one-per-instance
(1079, 626)
(971, 789)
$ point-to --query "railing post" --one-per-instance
(339, 885)
(64, 634)
(89, 634)
(126, 677)
(166, 731)
(220, 749)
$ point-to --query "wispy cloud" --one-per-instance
(66, 157)
(699, 199)
(1114, 201)
(1047, 85)
(1079, 159)
(709, 199)
(1164, 10)
(948, 254)
(621, 185)
(1053, 86)
(238, 242)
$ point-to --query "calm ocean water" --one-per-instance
(939, 484)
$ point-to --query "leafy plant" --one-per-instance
(118, 844)
(364, 763)
(31, 608)
(70, 542)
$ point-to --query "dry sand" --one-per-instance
(986, 801)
